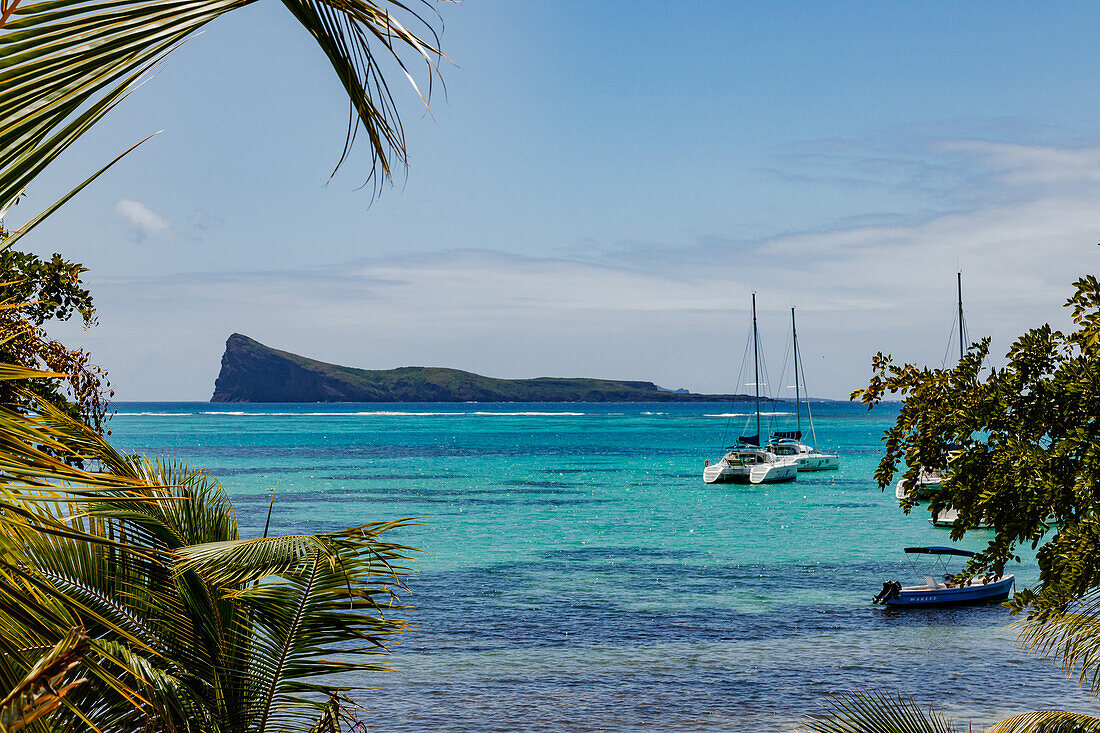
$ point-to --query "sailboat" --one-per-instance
(788, 444)
(746, 462)
(930, 480)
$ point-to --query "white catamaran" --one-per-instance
(746, 462)
(788, 444)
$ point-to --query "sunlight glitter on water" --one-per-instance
(579, 575)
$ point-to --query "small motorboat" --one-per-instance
(943, 593)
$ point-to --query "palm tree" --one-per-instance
(65, 63)
(127, 599)
(129, 602)
(1068, 638)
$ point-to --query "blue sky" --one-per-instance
(598, 191)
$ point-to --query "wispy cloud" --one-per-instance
(674, 314)
(143, 221)
(205, 220)
(1033, 164)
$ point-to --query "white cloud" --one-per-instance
(142, 220)
(675, 315)
(1034, 163)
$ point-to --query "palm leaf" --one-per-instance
(61, 571)
(1069, 639)
(192, 508)
(1048, 721)
(45, 684)
(243, 562)
(313, 631)
(876, 712)
(65, 63)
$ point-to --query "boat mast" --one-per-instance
(797, 397)
(756, 368)
(962, 349)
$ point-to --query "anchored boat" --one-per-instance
(746, 462)
(749, 464)
(945, 519)
(788, 444)
(806, 458)
(943, 592)
(930, 480)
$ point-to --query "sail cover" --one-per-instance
(787, 435)
(750, 440)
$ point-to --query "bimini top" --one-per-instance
(938, 551)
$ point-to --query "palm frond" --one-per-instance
(64, 64)
(1069, 639)
(41, 690)
(61, 570)
(876, 712)
(301, 619)
(1048, 721)
(192, 507)
(242, 562)
(169, 694)
(188, 624)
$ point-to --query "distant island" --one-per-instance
(252, 372)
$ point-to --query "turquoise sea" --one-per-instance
(578, 575)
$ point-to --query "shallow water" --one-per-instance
(578, 575)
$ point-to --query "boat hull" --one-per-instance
(945, 519)
(723, 474)
(818, 462)
(922, 597)
(773, 473)
(763, 473)
(924, 490)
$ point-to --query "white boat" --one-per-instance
(805, 457)
(946, 517)
(788, 445)
(747, 462)
(929, 481)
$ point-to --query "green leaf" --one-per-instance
(876, 712)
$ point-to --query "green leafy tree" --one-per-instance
(33, 293)
(1019, 446)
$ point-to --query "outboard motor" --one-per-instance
(891, 589)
